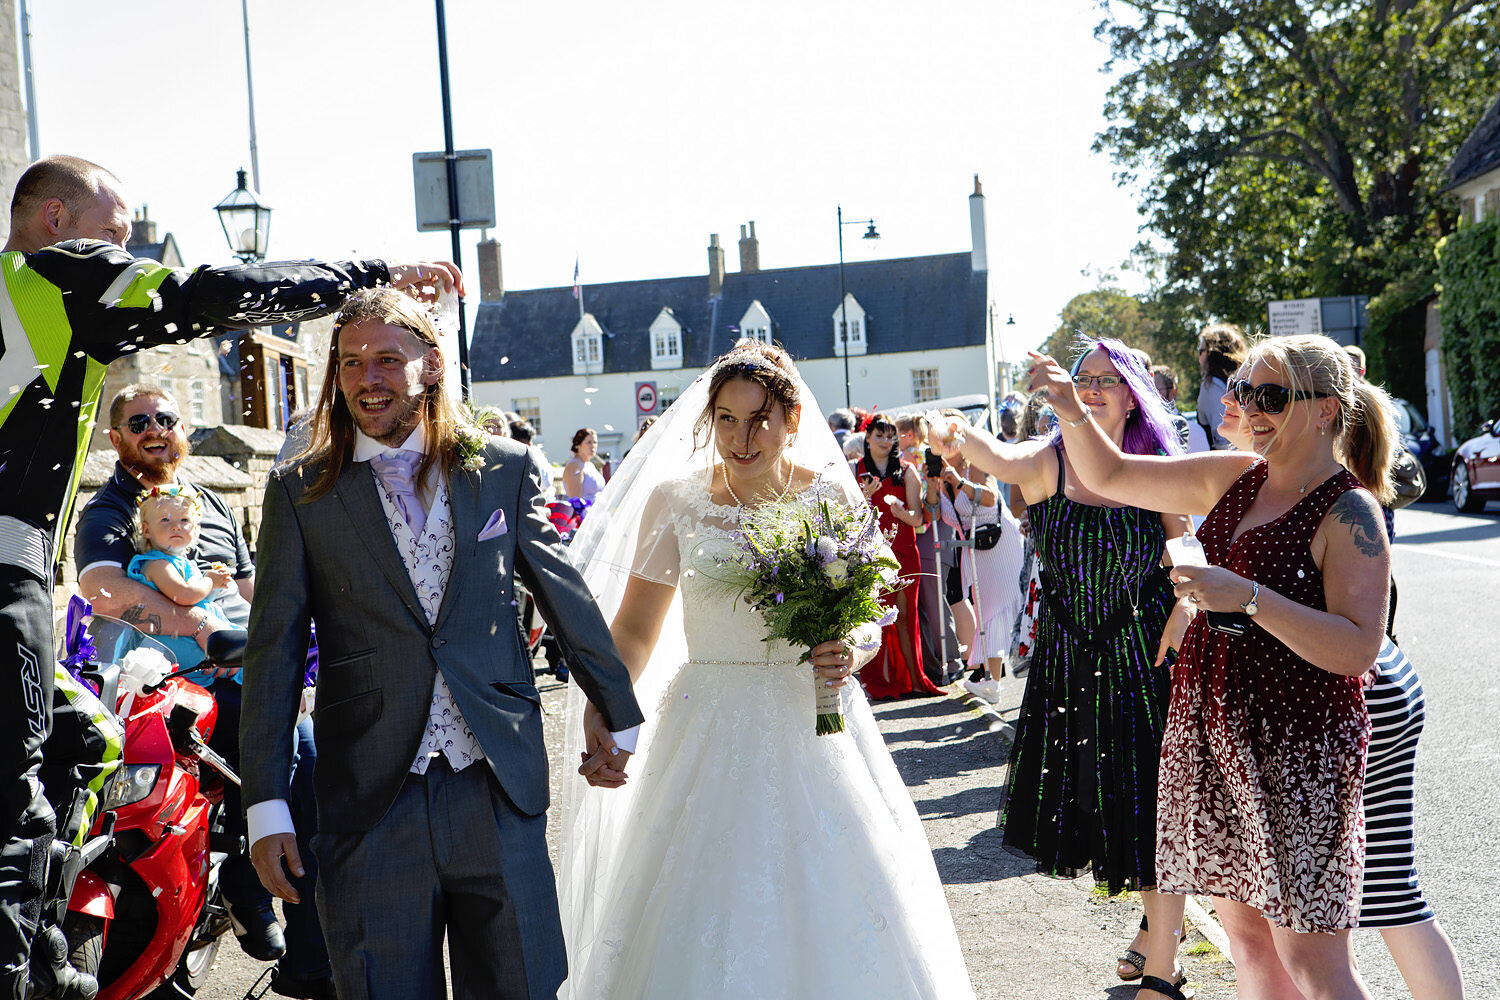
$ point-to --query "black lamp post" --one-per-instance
(246, 222)
(870, 234)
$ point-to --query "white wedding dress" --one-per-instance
(754, 859)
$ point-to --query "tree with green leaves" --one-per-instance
(1296, 148)
(1109, 311)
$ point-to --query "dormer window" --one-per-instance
(756, 323)
(588, 346)
(666, 340)
(849, 317)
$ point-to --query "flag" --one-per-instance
(577, 289)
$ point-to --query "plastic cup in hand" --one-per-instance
(1186, 551)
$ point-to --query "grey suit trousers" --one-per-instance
(386, 895)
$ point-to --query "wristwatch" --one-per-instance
(1250, 607)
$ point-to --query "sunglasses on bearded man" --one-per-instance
(138, 423)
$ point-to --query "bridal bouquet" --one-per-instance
(816, 571)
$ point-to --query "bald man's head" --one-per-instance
(66, 198)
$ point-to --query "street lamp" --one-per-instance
(246, 222)
(870, 234)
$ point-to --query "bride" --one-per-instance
(745, 856)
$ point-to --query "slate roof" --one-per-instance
(235, 439)
(912, 303)
(206, 470)
(1480, 152)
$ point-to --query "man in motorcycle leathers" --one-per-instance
(71, 301)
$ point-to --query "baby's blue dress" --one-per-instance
(184, 647)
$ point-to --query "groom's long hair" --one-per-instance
(333, 426)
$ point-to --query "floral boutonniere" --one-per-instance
(471, 441)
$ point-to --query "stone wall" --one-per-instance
(14, 155)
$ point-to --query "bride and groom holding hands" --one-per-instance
(743, 856)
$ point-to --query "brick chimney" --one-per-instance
(491, 282)
(749, 251)
(142, 227)
(715, 266)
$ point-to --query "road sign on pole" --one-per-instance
(476, 189)
(1295, 316)
(645, 397)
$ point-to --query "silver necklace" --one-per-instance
(1305, 485)
(1133, 598)
(723, 468)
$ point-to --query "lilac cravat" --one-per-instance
(397, 472)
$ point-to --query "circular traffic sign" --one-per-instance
(645, 397)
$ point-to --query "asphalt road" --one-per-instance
(1025, 935)
(1447, 571)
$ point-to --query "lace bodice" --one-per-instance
(690, 541)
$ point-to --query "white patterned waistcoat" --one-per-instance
(429, 560)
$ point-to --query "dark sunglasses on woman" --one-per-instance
(1268, 396)
(138, 423)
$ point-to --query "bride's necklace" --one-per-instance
(724, 469)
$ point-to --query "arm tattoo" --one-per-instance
(1366, 528)
(150, 624)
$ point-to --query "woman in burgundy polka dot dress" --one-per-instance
(1262, 768)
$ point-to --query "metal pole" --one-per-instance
(453, 218)
(32, 133)
(843, 312)
(250, 90)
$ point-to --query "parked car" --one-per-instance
(1420, 440)
(1476, 470)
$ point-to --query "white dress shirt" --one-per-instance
(446, 733)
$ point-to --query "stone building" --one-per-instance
(14, 155)
(189, 371)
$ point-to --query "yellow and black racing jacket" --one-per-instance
(69, 310)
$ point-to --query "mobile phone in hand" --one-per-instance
(933, 462)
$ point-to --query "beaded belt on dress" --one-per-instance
(744, 663)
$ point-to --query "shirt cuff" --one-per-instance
(266, 818)
(625, 740)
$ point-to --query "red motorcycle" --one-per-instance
(145, 916)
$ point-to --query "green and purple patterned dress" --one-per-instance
(1081, 788)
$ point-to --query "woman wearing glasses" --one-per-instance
(1263, 759)
(1081, 792)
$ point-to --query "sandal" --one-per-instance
(1134, 959)
(1169, 990)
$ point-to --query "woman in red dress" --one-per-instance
(894, 488)
(1263, 759)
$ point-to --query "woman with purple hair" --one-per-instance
(1081, 791)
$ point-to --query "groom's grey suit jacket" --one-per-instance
(334, 561)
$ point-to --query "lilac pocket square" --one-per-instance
(494, 527)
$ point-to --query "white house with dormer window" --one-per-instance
(666, 340)
(918, 329)
(588, 346)
(756, 323)
(852, 313)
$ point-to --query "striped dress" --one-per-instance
(1082, 783)
(1392, 897)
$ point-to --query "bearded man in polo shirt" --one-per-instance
(150, 438)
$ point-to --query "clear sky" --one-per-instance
(624, 133)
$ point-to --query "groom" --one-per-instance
(402, 536)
